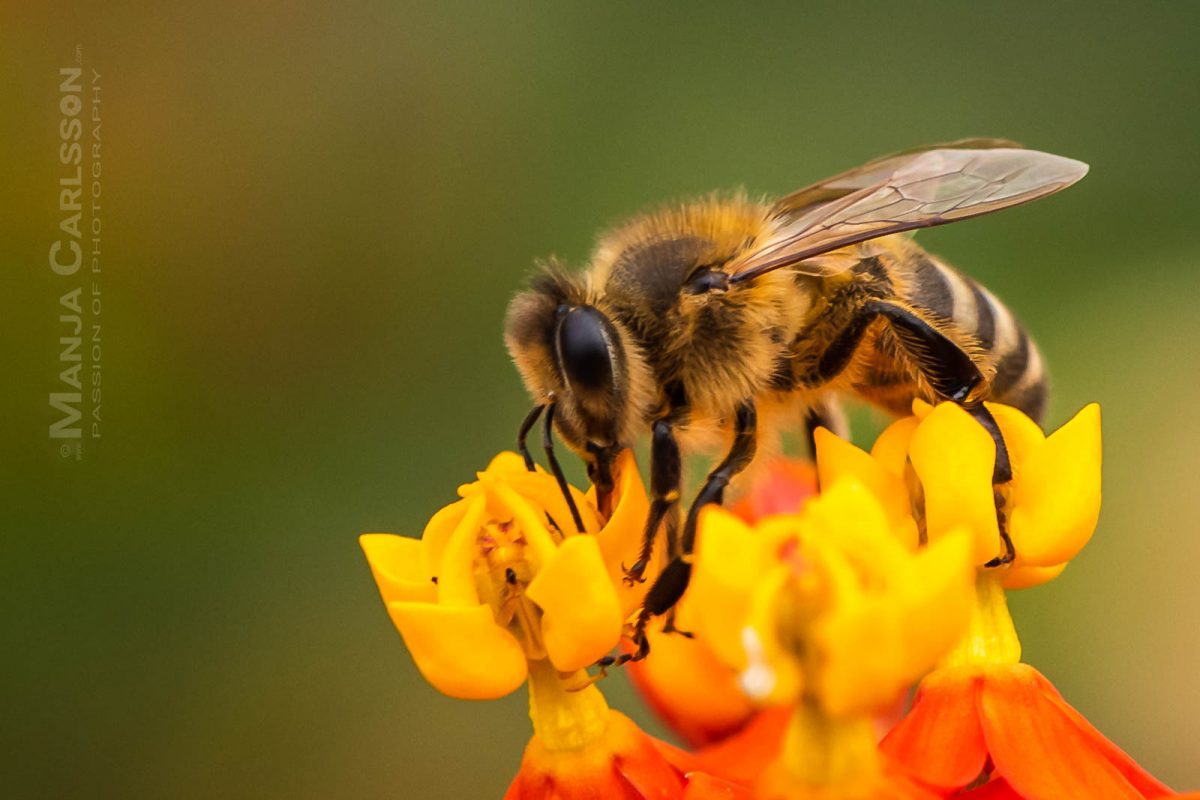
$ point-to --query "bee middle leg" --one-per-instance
(672, 582)
(666, 469)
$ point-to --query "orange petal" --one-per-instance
(995, 789)
(623, 764)
(1038, 748)
(954, 457)
(460, 650)
(706, 787)
(1056, 503)
(940, 742)
(743, 756)
(396, 564)
(690, 689)
(581, 619)
(1143, 781)
(783, 487)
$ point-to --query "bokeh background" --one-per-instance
(313, 217)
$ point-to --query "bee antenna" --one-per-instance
(548, 444)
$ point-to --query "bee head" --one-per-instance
(571, 353)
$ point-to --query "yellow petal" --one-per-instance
(954, 458)
(396, 564)
(770, 673)
(848, 683)
(529, 519)
(438, 530)
(1022, 436)
(621, 538)
(848, 513)
(506, 463)
(1056, 503)
(729, 564)
(456, 569)
(920, 408)
(581, 615)
(1020, 577)
(891, 448)
(461, 651)
(935, 602)
(541, 490)
(837, 459)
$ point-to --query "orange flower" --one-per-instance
(985, 715)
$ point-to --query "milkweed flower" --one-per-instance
(984, 724)
(497, 593)
(834, 613)
(695, 693)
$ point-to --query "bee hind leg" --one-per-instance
(1001, 474)
(953, 375)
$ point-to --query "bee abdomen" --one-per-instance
(1020, 377)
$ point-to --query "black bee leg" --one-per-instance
(526, 426)
(555, 468)
(825, 415)
(666, 469)
(713, 491)
(955, 376)
(672, 582)
(1001, 474)
(947, 368)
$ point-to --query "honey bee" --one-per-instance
(722, 321)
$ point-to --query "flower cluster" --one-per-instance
(812, 615)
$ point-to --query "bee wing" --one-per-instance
(873, 172)
(906, 192)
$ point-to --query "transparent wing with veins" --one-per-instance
(903, 193)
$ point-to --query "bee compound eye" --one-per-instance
(583, 350)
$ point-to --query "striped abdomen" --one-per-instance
(947, 295)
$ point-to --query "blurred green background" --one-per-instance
(313, 217)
